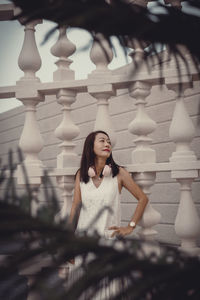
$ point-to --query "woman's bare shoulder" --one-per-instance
(77, 175)
(122, 176)
(123, 172)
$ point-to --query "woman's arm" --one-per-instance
(125, 180)
(76, 204)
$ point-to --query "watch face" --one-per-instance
(132, 224)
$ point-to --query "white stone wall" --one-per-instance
(161, 102)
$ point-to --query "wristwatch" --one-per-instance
(132, 224)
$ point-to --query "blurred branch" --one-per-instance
(166, 25)
(169, 275)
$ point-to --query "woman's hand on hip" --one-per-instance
(121, 231)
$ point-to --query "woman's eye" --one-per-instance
(104, 141)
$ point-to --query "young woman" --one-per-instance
(98, 185)
(96, 204)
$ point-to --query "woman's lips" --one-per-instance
(108, 150)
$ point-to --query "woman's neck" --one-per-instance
(99, 165)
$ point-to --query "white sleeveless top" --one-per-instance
(101, 207)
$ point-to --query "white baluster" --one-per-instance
(142, 126)
(67, 130)
(63, 48)
(66, 185)
(137, 55)
(182, 132)
(103, 120)
(29, 59)
(101, 55)
(187, 223)
(151, 217)
(34, 199)
(31, 142)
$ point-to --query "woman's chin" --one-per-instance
(104, 155)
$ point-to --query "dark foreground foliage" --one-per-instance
(166, 25)
(33, 242)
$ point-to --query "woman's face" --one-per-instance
(102, 145)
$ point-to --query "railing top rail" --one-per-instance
(132, 168)
(118, 82)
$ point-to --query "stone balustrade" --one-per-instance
(102, 84)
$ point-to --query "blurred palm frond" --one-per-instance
(165, 25)
(38, 245)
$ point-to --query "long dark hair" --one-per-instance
(88, 157)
